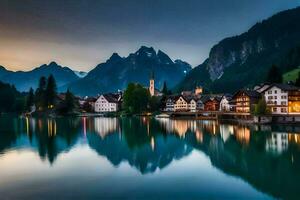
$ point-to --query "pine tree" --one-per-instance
(51, 92)
(40, 96)
(69, 102)
(30, 99)
(274, 75)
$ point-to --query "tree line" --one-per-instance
(137, 99)
(44, 99)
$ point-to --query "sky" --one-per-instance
(83, 33)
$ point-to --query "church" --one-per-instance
(153, 91)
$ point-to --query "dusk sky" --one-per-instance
(83, 33)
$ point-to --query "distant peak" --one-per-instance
(115, 57)
(53, 64)
(146, 52)
(146, 49)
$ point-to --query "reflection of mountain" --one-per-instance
(146, 152)
(267, 157)
(269, 160)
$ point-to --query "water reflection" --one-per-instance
(267, 157)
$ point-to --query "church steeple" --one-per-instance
(151, 84)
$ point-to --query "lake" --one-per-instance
(146, 158)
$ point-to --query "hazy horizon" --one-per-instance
(81, 34)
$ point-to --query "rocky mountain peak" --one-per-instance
(146, 51)
(164, 58)
(115, 57)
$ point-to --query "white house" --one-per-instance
(108, 103)
(283, 99)
(225, 103)
(170, 104)
(192, 105)
(181, 104)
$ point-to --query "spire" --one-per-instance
(152, 75)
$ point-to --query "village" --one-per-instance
(280, 102)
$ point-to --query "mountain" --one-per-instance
(80, 74)
(24, 80)
(118, 71)
(244, 60)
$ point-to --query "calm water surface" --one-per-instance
(144, 158)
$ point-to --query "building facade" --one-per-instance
(108, 103)
(225, 103)
(282, 99)
(244, 100)
(181, 104)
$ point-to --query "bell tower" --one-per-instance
(151, 84)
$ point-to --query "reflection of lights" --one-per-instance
(27, 125)
(51, 127)
(199, 136)
(152, 143)
(242, 134)
(294, 138)
(84, 126)
(40, 124)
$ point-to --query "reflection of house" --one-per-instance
(277, 143)
(244, 100)
(283, 99)
(105, 126)
(226, 103)
(242, 134)
(108, 102)
(226, 131)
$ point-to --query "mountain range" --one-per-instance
(118, 71)
(233, 63)
(112, 75)
(24, 80)
(244, 60)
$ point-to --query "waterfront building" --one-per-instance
(212, 104)
(109, 102)
(181, 103)
(282, 99)
(200, 104)
(226, 104)
(244, 100)
(192, 105)
(170, 103)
